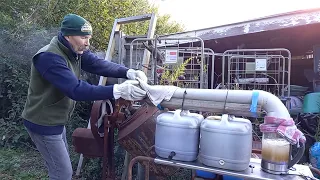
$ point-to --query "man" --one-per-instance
(55, 86)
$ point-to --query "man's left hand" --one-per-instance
(134, 74)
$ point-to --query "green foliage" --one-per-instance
(21, 164)
(165, 26)
(24, 15)
(14, 82)
(6, 20)
(171, 75)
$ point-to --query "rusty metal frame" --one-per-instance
(143, 159)
(106, 142)
(111, 122)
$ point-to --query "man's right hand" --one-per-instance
(129, 90)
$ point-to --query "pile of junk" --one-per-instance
(305, 109)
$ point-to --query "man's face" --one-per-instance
(79, 43)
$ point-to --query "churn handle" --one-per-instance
(298, 156)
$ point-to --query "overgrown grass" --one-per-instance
(27, 164)
(24, 164)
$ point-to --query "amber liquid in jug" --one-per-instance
(275, 150)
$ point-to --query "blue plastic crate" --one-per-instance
(226, 177)
(205, 174)
(210, 175)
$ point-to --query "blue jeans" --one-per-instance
(54, 151)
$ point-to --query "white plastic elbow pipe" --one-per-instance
(269, 102)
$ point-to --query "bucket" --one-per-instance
(311, 103)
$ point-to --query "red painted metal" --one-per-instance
(86, 144)
(91, 144)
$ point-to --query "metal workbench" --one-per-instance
(254, 171)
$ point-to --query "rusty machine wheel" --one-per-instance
(103, 124)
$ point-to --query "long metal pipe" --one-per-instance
(268, 102)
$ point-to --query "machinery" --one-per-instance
(186, 63)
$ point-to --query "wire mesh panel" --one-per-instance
(138, 47)
(262, 69)
(176, 61)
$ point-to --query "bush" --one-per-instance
(15, 57)
(14, 83)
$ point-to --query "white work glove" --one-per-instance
(134, 74)
(158, 93)
(128, 90)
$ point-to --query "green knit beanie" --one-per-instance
(75, 25)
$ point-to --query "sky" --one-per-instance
(199, 14)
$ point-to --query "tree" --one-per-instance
(101, 14)
(30, 23)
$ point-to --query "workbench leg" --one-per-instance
(79, 165)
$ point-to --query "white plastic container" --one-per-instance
(226, 142)
(177, 135)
